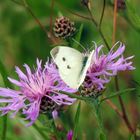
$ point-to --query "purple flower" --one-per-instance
(103, 67)
(33, 86)
(70, 135)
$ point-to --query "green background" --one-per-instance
(22, 41)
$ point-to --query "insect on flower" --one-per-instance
(103, 67)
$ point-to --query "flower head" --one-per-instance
(103, 67)
(34, 88)
(64, 27)
(70, 135)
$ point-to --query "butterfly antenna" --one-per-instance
(89, 49)
(79, 44)
(95, 44)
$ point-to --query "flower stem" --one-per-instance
(96, 108)
(102, 35)
(4, 127)
(114, 22)
(51, 16)
(98, 26)
(114, 107)
(124, 115)
(40, 132)
(4, 74)
(102, 15)
(26, 6)
(92, 18)
(70, 11)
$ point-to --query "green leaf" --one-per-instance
(45, 137)
(133, 17)
(113, 95)
(77, 116)
(132, 137)
(102, 136)
(78, 37)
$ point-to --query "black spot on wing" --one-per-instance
(64, 59)
(84, 63)
(68, 67)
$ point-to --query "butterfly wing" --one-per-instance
(86, 63)
(72, 65)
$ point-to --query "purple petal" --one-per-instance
(15, 82)
(70, 135)
(55, 114)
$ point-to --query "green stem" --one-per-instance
(7, 84)
(99, 27)
(33, 15)
(76, 96)
(125, 117)
(103, 37)
(26, 6)
(118, 93)
(102, 14)
(96, 108)
(4, 128)
(40, 132)
(92, 18)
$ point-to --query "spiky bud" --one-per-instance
(91, 91)
(121, 4)
(47, 105)
(63, 27)
(85, 2)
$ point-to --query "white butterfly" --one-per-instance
(72, 65)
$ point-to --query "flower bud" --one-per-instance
(121, 4)
(63, 27)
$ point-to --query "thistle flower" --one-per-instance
(34, 88)
(70, 135)
(103, 67)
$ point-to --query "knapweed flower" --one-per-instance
(70, 135)
(36, 89)
(103, 67)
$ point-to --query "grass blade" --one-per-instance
(133, 16)
(113, 95)
(78, 37)
(77, 116)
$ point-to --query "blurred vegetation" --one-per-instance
(22, 41)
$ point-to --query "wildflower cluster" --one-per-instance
(39, 90)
